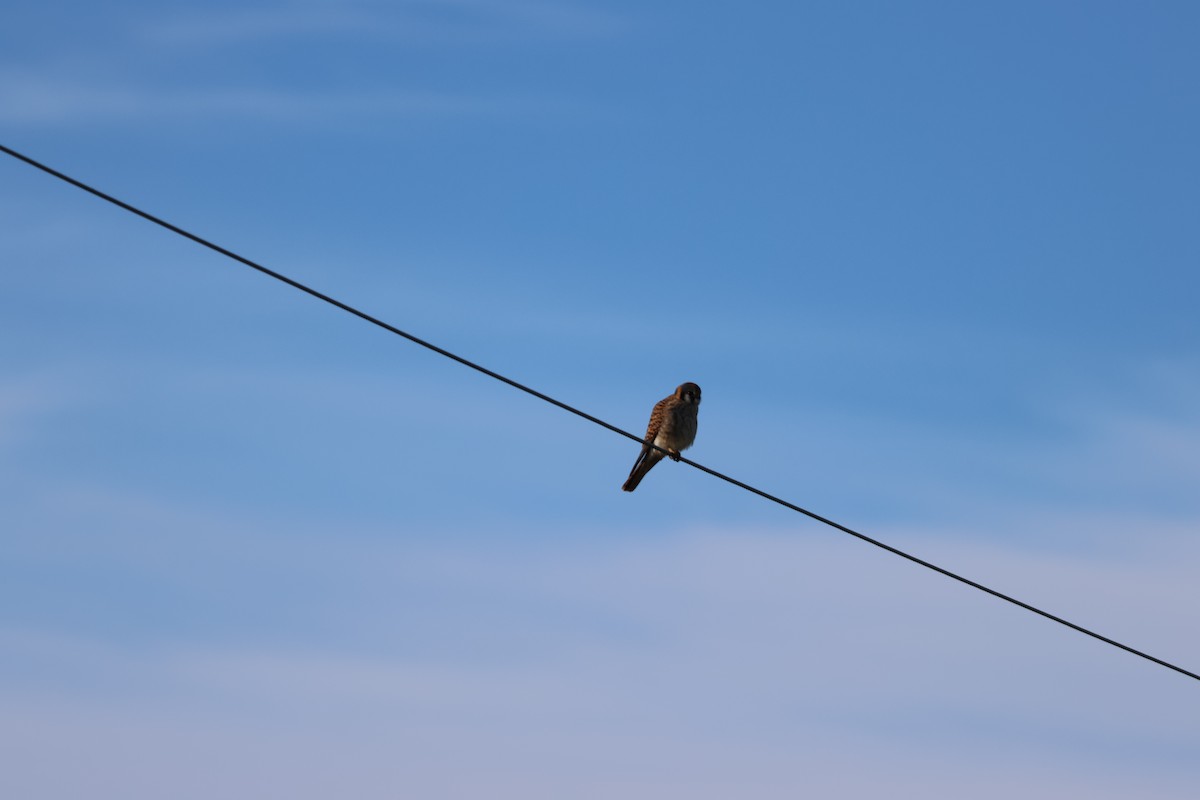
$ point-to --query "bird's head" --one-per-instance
(688, 393)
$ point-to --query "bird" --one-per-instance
(672, 427)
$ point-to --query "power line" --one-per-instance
(564, 406)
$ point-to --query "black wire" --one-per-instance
(465, 362)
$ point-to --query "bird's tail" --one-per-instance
(644, 464)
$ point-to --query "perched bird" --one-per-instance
(672, 427)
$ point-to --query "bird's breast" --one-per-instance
(679, 428)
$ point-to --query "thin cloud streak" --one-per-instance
(425, 23)
(33, 101)
(27, 398)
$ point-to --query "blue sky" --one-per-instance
(933, 263)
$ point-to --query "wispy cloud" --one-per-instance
(112, 89)
(26, 397)
(31, 100)
(433, 22)
(1139, 445)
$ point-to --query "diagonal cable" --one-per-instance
(564, 406)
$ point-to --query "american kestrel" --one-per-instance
(672, 427)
